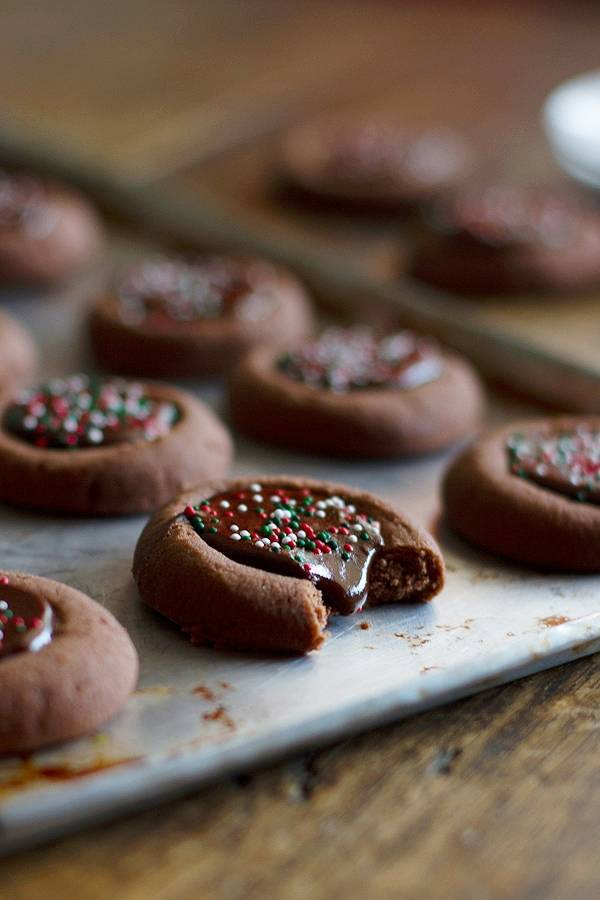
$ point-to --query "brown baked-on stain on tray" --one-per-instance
(261, 563)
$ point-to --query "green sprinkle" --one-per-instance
(345, 554)
(364, 535)
(212, 530)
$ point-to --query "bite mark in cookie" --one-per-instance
(264, 574)
(297, 532)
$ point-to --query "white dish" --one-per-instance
(571, 118)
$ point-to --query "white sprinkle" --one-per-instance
(259, 544)
(352, 538)
(350, 508)
(244, 533)
(255, 487)
(320, 514)
(258, 498)
(275, 546)
(234, 527)
(95, 435)
(301, 533)
(275, 498)
(235, 536)
(30, 422)
(357, 527)
(242, 507)
(320, 504)
(266, 541)
(224, 504)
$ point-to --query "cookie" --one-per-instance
(509, 240)
(530, 491)
(372, 163)
(94, 446)
(18, 355)
(261, 564)
(47, 231)
(178, 316)
(350, 393)
(66, 665)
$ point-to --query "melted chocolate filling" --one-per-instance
(567, 462)
(174, 291)
(354, 359)
(294, 532)
(25, 621)
(81, 411)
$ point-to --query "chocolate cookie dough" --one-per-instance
(196, 316)
(351, 393)
(530, 491)
(66, 665)
(372, 163)
(94, 446)
(18, 355)
(47, 231)
(508, 240)
(260, 564)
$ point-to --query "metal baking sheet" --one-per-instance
(200, 714)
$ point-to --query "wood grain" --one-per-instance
(495, 796)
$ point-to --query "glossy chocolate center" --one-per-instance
(354, 359)
(296, 532)
(501, 216)
(82, 411)
(25, 620)
(567, 462)
(176, 291)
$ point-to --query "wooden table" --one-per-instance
(495, 796)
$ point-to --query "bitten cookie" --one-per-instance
(18, 355)
(66, 665)
(372, 163)
(530, 491)
(508, 240)
(260, 564)
(91, 446)
(47, 231)
(178, 316)
(350, 393)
